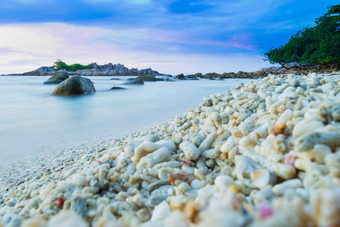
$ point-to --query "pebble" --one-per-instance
(264, 153)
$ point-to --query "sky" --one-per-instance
(171, 36)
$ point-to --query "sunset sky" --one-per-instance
(169, 36)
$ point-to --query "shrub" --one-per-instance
(59, 64)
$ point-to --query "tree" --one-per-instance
(319, 44)
(59, 64)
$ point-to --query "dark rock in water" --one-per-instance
(117, 88)
(75, 85)
(57, 79)
(191, 77)
(115, 79)
(180, 77)
(159, 79)
(147, 77)
(169, 80)
(188, 77)
(134, 81)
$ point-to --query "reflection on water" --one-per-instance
(32, 120)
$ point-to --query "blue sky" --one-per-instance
(171, 36)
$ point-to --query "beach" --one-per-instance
(263, 153)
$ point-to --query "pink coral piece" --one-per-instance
(290, 159)
(266, 210)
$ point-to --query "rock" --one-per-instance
(57, 79)
(117, 88)
(134, 81)
(191, 77)
(212, 75)
(169, 80)
(188, 77)
(114, 79)
(191, 152)
(116, 70)
(147, 77)
(161, 211)
(96, 70)
(308, 140)
(180, 76)
(42, 71)
(67, 219)
(335, 113)
(75, 85)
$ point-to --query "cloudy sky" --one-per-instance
(170, 36)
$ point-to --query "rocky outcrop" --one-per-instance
(134, 81)
(117, 88)
(188, 77)
(44, 71)
(57, 79)
(75, 85)
(96, 70)
(147, 77)
(288, 69)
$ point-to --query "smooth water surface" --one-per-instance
(31, 120)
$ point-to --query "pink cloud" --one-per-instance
(30, 46)
(241, 41)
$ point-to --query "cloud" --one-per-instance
(117, 1)
(139, 1)
(128, 29)
(32, 46)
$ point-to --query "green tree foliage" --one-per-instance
(319, 44)
(59, 64)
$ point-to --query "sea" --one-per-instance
(32, 120)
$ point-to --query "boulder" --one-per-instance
(187, 77)
(117, 88)
(147, 77)
(180, 77)
(212, 75)
(191, 77)
(57, 79)
(134, 81)
(75, 85)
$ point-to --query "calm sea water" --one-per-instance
(31, 120)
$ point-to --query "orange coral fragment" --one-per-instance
(180, 176)
(233, 117)
(191, 211)
(277, 129)
(188, 163)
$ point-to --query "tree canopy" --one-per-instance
(318, 44)
(59, 64)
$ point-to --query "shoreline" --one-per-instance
(207, 154)
(261, 73)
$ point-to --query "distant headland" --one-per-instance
(111, 69)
